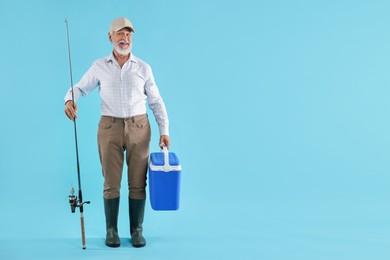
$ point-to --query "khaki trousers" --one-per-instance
(117, 137)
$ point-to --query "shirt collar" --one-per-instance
(112, 58)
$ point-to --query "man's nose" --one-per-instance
(125, 37)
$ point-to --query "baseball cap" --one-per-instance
(120, 23)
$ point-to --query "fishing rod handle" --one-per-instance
(82, 231)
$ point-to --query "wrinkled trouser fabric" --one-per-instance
(120, 137)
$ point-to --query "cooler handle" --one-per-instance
(166, 166)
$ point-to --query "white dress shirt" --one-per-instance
(123, 91)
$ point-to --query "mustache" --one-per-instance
(123, 41)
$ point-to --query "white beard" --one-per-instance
(122, 51)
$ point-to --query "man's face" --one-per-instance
(121, 40)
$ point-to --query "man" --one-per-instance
(125, 83)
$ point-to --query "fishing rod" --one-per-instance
(74, 201)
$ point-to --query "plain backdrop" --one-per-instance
(278, 113)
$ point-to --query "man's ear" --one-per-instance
(109, 37)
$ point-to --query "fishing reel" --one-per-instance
(74, 202)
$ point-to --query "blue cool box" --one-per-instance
(164, 181)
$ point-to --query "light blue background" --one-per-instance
(278, 110)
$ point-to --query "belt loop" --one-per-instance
(113, 120)
(132, 119)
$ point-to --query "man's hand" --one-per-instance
(164, 140)
(71, 110)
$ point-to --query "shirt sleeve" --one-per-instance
(85, 86)
(156, 103)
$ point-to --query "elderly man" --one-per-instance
(125, 84)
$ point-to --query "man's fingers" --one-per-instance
(73, 115)
(70, 113)
(164, 140)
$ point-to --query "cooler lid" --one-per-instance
(157, 159)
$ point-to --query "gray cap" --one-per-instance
(120, 23)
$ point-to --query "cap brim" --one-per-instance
(131, 29)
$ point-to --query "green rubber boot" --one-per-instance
(136, 214)
(111, 209)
